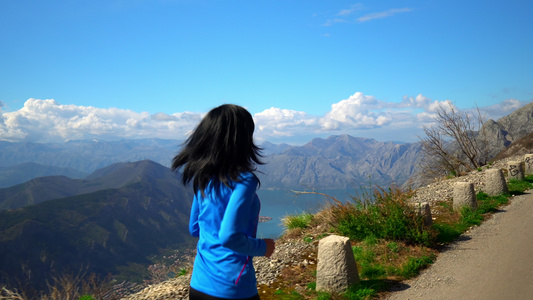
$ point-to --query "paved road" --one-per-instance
(491, 262)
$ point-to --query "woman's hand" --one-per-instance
(271, 245)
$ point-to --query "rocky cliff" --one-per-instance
(501, 133)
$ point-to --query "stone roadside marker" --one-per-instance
(464, 195)
(515, 170)
(336, 267)
(495, 184)
(423, 209)
(528, 158)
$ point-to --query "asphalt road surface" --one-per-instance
(491, 262)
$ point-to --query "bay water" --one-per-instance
(277, 204)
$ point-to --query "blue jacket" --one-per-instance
(226, 221)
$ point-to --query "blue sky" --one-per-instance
(139, 68)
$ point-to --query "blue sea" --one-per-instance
(277, 204)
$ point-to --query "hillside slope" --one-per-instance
(47, 188)
(87, 155)
(13, 175)
(108, 231)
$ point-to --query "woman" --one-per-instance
(219, 157)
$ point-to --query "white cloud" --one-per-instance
(276, 122)
(343, 13)
(163, 117)
(351, 10)
(359, 115)
(502, 109)
(384, 14)
(335, 21)
(425, 104)
(47, 121)
(425, 118)
(357, 112)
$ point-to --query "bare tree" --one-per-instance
(455, 143)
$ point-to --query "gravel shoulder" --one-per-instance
(491, 261)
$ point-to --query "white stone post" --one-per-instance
(464, 195)
(423, 209)
(515, 170)
(528, 158)
(495, 183)
(336, 267)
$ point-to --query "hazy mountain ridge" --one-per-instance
(53, 187)
(105, 231)
(269, 148)
(335, 162)
(87, 156)
(341, 162)
(13, 175)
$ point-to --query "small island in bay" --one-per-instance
(264, 219)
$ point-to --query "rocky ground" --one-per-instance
(296, 253)
(288, 254)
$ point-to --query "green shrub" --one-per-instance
(389, 217)
(298, 221)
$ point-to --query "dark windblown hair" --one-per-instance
(219, 149)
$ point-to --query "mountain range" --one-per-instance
(336, 162)
(108, 223)
(340, 162)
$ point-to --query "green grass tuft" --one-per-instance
(414, 265)
(302, 221)
(517, 187)
(366, 289)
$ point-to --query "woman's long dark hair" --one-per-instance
(219, 149)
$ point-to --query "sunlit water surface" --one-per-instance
(277, 204)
